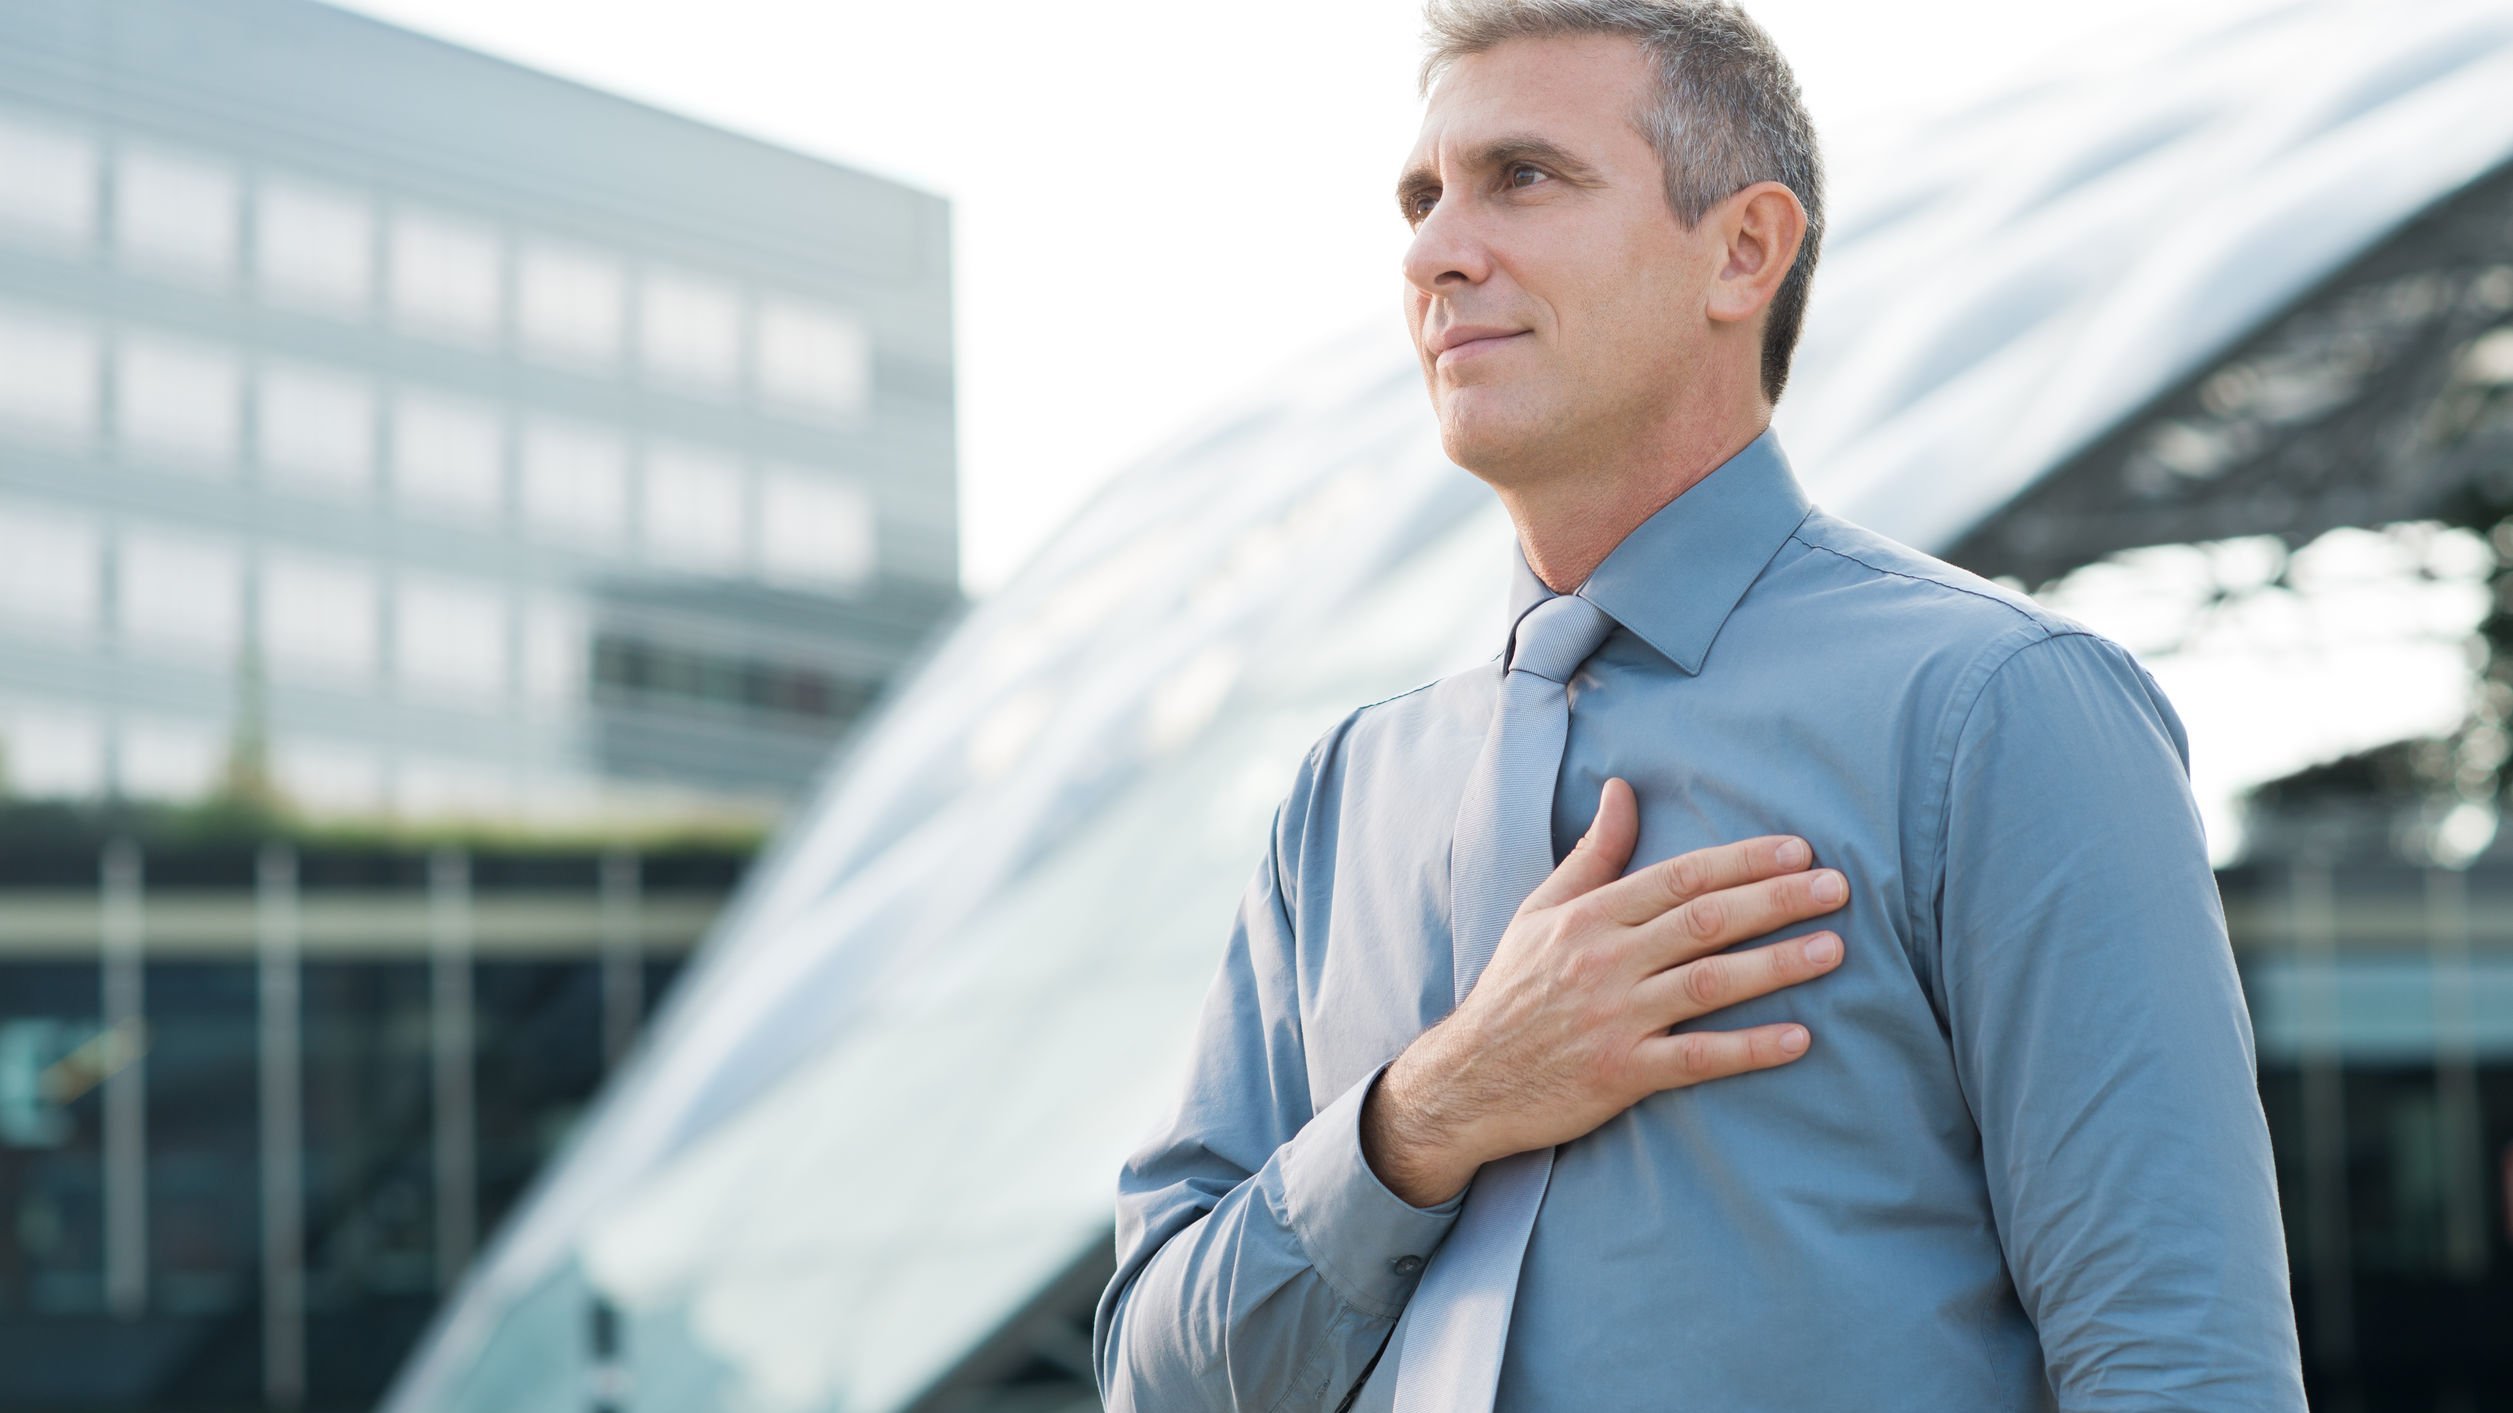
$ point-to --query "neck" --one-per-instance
(1568, 523)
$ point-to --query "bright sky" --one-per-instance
(1157, 203)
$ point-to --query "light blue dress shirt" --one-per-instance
(2022, 1165)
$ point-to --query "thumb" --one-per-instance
(1599, 856)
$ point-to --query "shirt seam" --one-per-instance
(2026, 614)
(1949, 739)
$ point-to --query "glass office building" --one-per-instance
(476, 442)
(2216, 324)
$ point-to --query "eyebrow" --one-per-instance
(1500, 152)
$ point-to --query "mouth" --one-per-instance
(1476, 345)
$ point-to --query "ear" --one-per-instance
(1760, 228)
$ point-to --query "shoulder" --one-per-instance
(1883, 591)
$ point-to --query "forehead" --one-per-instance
(1576, 89)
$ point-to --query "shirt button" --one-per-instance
(1406, 1265)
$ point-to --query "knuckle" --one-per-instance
(1704, 983)
(1704, 918)
(1685, 876)
(1694, 1054)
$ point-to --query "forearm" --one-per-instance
(1286, 1286)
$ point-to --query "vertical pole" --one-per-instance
(2325, 1114)
(450, 1045)
(283, 1147)
(124, 987)
(2456, 1075)
(623, 954)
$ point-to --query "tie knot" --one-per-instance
(1557, 635)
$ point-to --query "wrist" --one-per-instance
(1419, 1149)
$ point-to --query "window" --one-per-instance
(689, 332)
(51, 569)
(570, 305)
(443, 277)
(327, 777)
(178, 594)
(174, 214)
(314, 247)
(168, 759)
(449, 456)
(815, 529)
(47, 184)
(575, 482)
(449, 637)
(177, 402)
(814, 359)
(48, 375)
(692, 510)
(557, 652)
(317, 428)
(439, 788)
(318, 619)
(48, 751)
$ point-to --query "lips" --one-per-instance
(1467, 339)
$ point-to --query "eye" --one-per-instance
(1524, 169)
(1418, 205)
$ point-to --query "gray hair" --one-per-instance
(1728, 113)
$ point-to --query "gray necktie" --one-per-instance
(1450, 1361)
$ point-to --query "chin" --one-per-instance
(1488, 441)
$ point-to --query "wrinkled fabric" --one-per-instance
(2023, 1164)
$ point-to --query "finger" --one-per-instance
(1698, 987)
(1690, 1056)
(1670, 883)
(1601, 853)
(1719, 920)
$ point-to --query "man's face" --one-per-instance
(1555, 301)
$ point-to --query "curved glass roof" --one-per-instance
(889, 1100)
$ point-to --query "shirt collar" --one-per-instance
(1675, 578)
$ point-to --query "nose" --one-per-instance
(1446, 251)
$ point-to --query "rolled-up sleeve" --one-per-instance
(2101, 1038)
(1261, 1264)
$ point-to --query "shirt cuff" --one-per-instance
(1370, 1244)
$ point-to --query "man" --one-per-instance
(2020, 1161)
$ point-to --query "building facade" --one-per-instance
(459, 439)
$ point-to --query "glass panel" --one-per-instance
(450, 637)
(317, 428)
(692, 509)
(557, 652)
(166, 759)
(314, 247)
(575, 483)
(48, 375)
(179, 594)
(49, 751)
(51, 569)
(327, 776)
(443, 273)
(815, 528)
(175, 214)
(449, 456)
(47, 183)
(571, 304)
(814, 359)
(318, 619)
(177, 402)
(690, 331)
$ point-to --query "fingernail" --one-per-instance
(1792, 853)
(1831, 888)
(1793, 1039)
(1820, 950)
